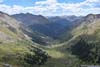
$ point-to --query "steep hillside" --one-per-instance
(83, 48)
(16, 48)
(9, 28)
(36, 27)
(47, 30)
(89, 26)
(30, 19)
(67, 41)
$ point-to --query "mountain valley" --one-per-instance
(28, 40)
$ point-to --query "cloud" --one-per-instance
(56, 8)
(53, 7)
(1, 1)
(49, 2)
(11, 10)
(92, 0)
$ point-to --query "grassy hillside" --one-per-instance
(16, 49)
(62, 54)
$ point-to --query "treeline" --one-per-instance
(88, 53)
(36, 57)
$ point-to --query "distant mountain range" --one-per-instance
(46, 30)
(52, 28)
(29, 40)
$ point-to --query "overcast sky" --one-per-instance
(51, 7)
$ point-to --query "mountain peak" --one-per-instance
(94, 16)
(2, 13)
